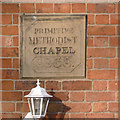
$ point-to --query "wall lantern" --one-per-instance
(38, 100)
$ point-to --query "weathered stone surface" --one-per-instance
(52, 46)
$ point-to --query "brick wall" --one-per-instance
(96, 95)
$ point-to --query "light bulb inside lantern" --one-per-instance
(37, 102)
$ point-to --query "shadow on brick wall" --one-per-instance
(56, 109)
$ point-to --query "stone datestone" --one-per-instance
(52, 46)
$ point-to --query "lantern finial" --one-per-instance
(38, 83)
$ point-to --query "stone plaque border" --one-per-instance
(83, 75)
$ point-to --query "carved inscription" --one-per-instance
(53, 46)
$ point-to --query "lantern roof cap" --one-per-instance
(38, 92)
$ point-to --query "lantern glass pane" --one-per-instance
(37, 102)
(30, 105)
(44, 105)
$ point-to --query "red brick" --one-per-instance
(78, 8)
(113, 107)
(118, 30)
(10, 30)
(7, 85)
(101, 41)
(77, 115)
(118, 96)
(11, 96)
(22, 107)
(57, 116)
(101, 30)
(10, 8)
(53, 85)
(100, 8)
(10, 74)
(102, 19)
(117, 115)
(100, 85)
(59, 96)
(99, 107)
(117, 5)
(113, 85)
(15, 63)
(77, 96)
(90, 19)
(100, 63)
(89, 41)
(26, 85)
(28, 1)
(54, 107)
(11, 115)
(101, 74)
(8, 107)
(77, 85)
(26, 93)
(114, 19)
(62, 8)
(0, 77)
(118, 51)
(6, 19)
(89, 63)
(100, 96)
(100, 115)
(118, 74)
(27, 8)
(6, 41)
(101, 52)
(6, 63)
(114, 63)
(15, 41)
(0, 30)
(44, 8)
(9, 52)
(114, 41)
(15, 19)
(77, 107)
(1, 116)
